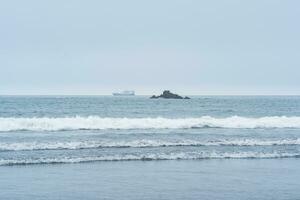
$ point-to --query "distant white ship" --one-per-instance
(124, 93)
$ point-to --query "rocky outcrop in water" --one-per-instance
(168, 95)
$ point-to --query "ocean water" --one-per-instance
(102, 147)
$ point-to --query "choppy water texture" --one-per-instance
(40, 131)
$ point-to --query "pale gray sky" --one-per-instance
(189, 46)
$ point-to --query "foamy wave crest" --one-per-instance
(149, 157)
(73, 145)
(98, 123)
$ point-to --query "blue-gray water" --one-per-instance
(100, 147)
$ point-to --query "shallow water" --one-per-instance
(225, 179)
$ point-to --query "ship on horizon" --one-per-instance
(124, 93)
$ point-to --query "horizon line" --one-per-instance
(203, 94)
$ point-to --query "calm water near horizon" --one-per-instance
(104, 147)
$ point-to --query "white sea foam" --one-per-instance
(148, 157)
(98, 123)
(73, 145)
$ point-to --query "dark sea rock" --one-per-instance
(168, 95)
(154, 97)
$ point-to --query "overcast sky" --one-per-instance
(189, 46)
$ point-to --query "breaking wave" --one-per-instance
(99, 123)
(73, 145)
(149, 157)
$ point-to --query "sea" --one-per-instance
(105, 147)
